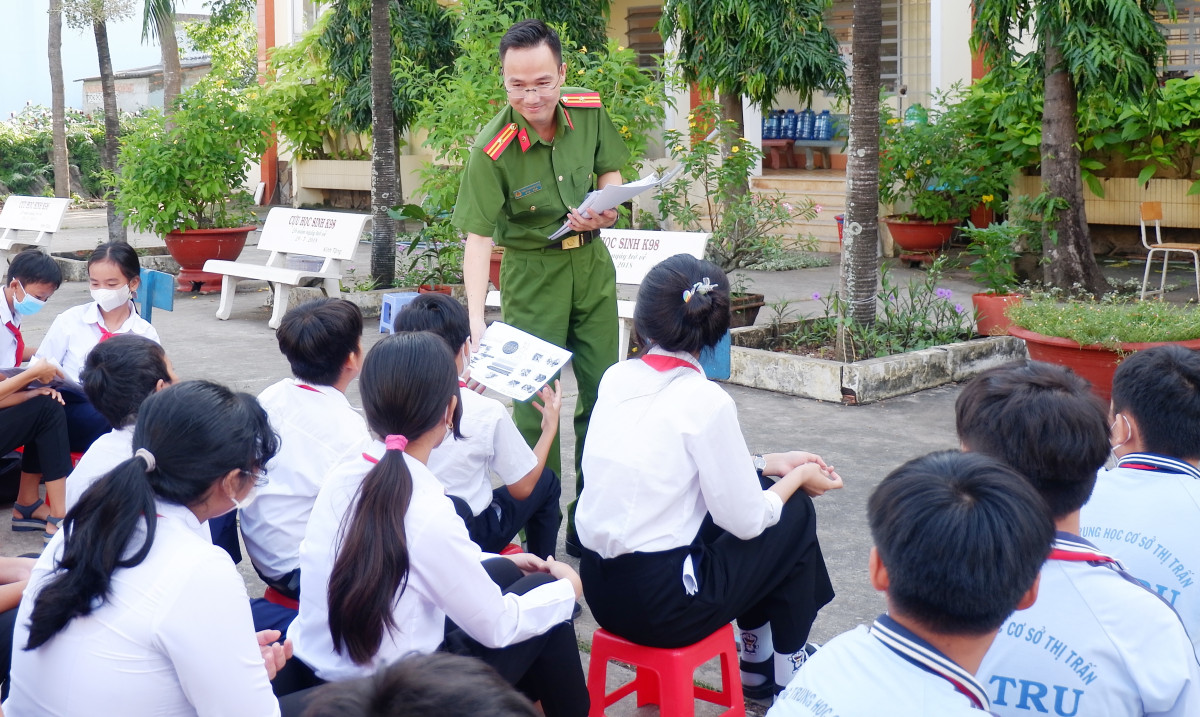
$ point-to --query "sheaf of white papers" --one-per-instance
(614, 195)
(515, 363)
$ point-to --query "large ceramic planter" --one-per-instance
(494, 266)
(743, 309)
(919, 236)
(1096, 363)
(192, 247)
(989, 312)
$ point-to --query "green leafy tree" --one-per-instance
(1079, 47)
(158, 23)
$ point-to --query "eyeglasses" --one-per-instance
(545, 88)
(259, 477)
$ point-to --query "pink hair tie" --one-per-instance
(395, 442)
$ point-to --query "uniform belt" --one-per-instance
(574, 241)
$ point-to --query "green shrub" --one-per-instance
(1108, 324)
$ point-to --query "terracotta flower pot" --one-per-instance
(989, 312)
(494, 266)
(743, 309)
(1096, 363)
(192, 247)
(919, 235)
(435, 289)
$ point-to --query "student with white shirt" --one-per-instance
(113, 270)
(492, 445)
(679, 535)
(1144, 511)
(322, 340)
(1096, 642)
(385, 560)
(117, 376)
(959, 539)
(129, 610)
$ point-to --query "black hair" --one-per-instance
(438, 314)
(664, 317)
(31, 266)
(198, 432)
(531, 33)
(1044, 421)
(118, 374)
(407, 383)
(1160, 388)
(318, 336)
(121, 254)
(437, 684)
(962, 537)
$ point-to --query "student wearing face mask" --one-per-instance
(113, 270)
(33, 277)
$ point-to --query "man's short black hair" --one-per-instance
(318, 336)
(962, 536)
(438, 314)
(1160, 388)
(33, 267)
(531, 33)
(1044, 421)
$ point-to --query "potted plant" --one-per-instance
(1092, 337)
(994, 247)
(433, 259)
(186, 182)
(935, 164)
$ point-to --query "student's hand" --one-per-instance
(562, 571)
(43, 370)
(551, 405)
(815, 480)
(780, 464)
(528, 563)
(23, 396)
(589, 220)
(275, 654)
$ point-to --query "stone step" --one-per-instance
(800, 185)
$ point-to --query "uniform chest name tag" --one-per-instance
(527, 190)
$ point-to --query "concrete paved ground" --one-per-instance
(863, 442)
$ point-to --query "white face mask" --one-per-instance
(109, 299)
(246, 499)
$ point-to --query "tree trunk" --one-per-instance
(172, 72)
(384, 182)
(1068, 257)
(112, 124)
(62, 168)
(860, 259)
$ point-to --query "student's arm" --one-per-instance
(10, 594)
(550, 407)
(12, 389)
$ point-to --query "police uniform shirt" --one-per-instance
(317, 427)
(664, 450)
(173, 637)
(76, 331)
(1094, 643)
(491, 445)
(517, 187)
(445, 579)
(884, 670)
(8, 340)
(1144, 512)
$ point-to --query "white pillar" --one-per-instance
(752, 126)
(949, 47)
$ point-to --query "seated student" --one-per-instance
(117, 376)
(34, 418)
(1144, 511)
(113, 269)
(385, 560)
(959, 539)
(1096, 642)
(679, 535)
(14, 575)
(146, 616)
(322, 341)
(490, 444)
(33, 277)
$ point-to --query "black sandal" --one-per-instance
(27, 522)
(767, 689)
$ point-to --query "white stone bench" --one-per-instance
(634, 253)
(294, 237)
(29, 214)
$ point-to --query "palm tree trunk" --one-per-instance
(62, 168)
(1068, 250)
(112, 124)
(172, 72)
(385, 185)
(860, 260)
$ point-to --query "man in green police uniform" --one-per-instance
(529, 169)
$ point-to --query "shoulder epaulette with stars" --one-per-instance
(501, 141)
(582, 99)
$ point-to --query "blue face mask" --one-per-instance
(28, 306)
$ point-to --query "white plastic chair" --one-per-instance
(1152, 212)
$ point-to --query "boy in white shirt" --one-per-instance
(959, 539)
(491, 444)
(322, 340)
(1096, 642)
(1144, 511)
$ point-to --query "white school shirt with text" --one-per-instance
(76, 331)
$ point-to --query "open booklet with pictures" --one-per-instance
(514, 363)
(59, 383)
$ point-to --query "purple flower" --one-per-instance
(944, 293)
(959, 308)
(816, 296)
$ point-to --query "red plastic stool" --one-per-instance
(511, 549)
(665, 676)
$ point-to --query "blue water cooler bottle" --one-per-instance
(807, 123)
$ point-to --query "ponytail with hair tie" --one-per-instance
(395, 442)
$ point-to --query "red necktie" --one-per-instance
(16, 331)
(105, 334)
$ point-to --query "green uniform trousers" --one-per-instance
(567, 297)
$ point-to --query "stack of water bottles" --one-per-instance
(804, 125)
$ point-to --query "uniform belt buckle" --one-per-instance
(572, 242)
